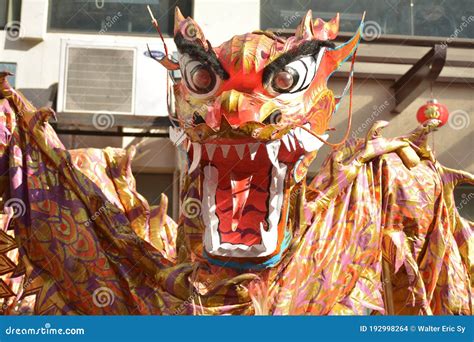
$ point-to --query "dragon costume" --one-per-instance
(375, 232)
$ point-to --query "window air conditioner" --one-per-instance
(98, 77)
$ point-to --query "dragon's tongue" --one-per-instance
(240, 194)
(241, 205)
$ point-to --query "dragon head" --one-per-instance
(251, 115)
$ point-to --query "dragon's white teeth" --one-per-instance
(272, 150)
(286, 142)
(291, 138)
(211, 235)
(299, 134)
(253, 148)
(196, 157)
(177, 135)
(225, 150)
(210, 148)
(240, 149)
(269, 237)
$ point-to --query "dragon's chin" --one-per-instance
(245, 195)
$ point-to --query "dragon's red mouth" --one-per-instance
(243, 194)
(244, 184)
(241, 197)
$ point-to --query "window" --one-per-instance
(439, 18)
(152, 185)
(464, 197)
(3, 13)
(114, 16)
(10, 14)
(12, 68)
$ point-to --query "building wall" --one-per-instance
(373, 99)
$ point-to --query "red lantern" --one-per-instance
(433, 110)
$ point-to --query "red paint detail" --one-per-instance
(240, 194)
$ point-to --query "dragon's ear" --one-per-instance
(188, 29)
(334, 57)
(178, 18)
(326, 30)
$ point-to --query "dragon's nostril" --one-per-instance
(198, 119)
(274, 118)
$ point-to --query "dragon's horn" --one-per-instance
(188, 28)
(178, 19)
(305, 28)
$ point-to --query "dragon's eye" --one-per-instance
(285, 79)
(199, 77)
(202, 78)
(293, 77)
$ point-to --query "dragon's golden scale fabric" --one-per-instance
(379, 209)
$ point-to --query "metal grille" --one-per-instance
(99, 79)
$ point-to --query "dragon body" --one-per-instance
(376, 231)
